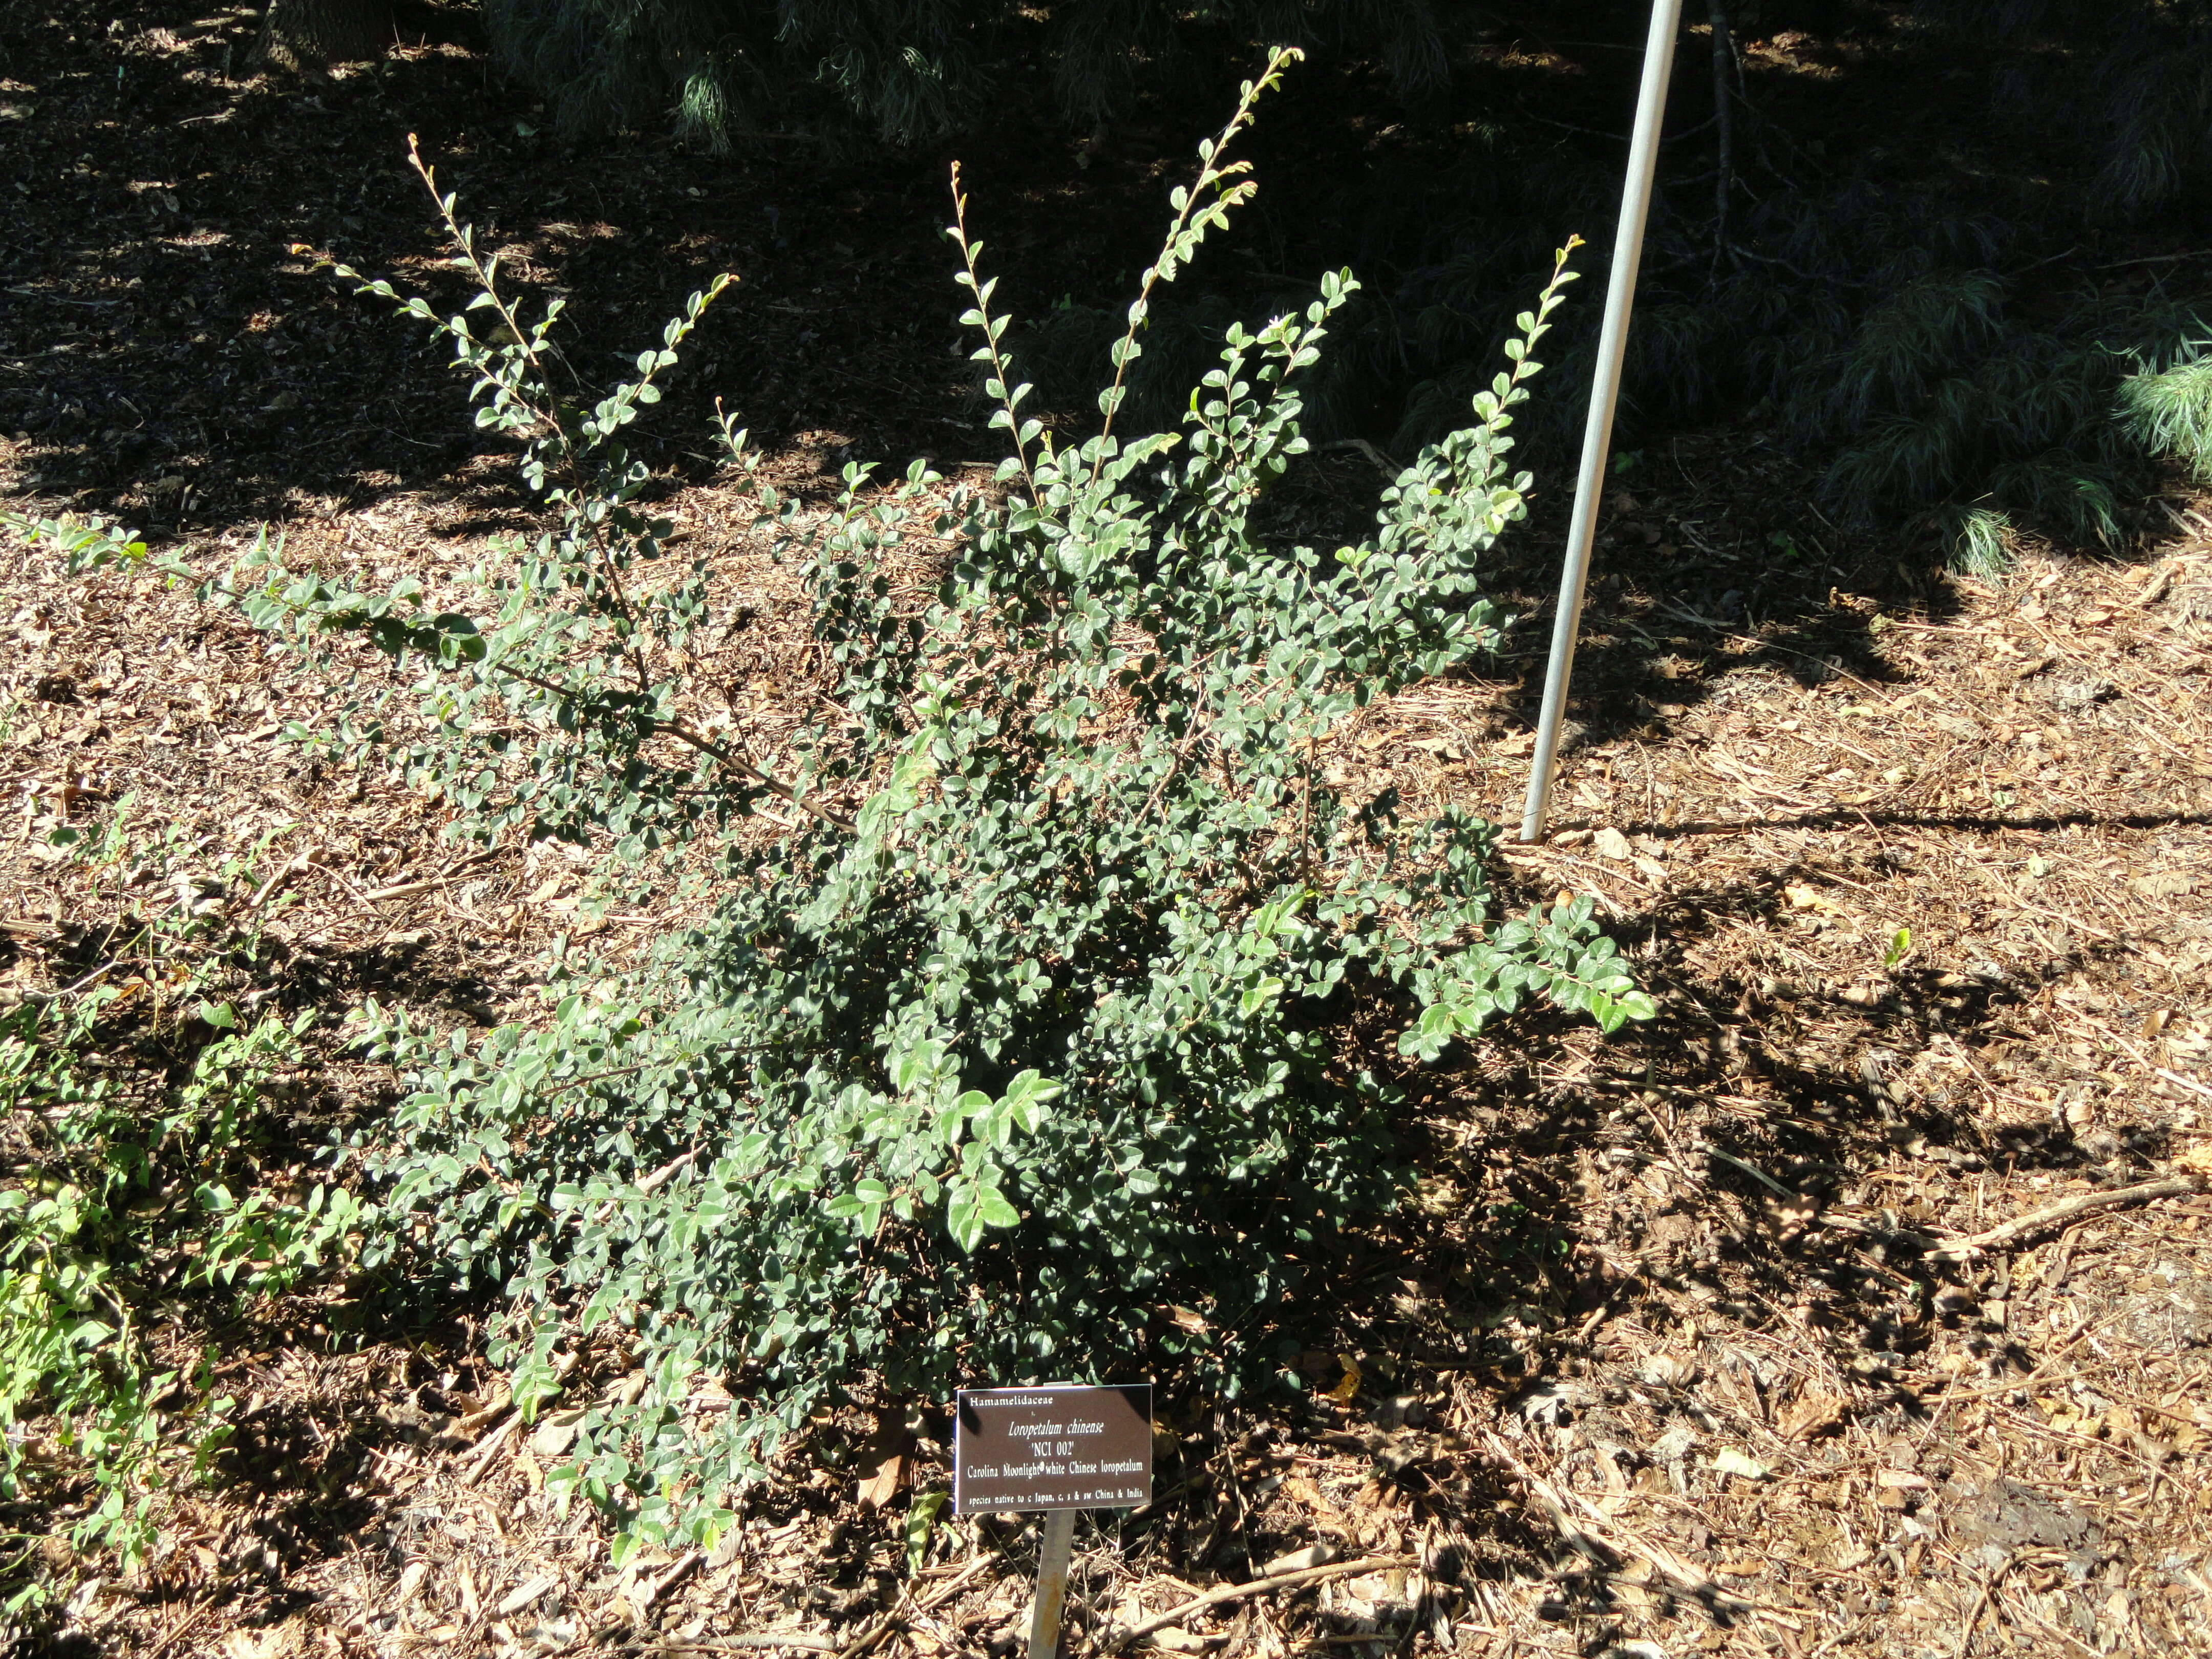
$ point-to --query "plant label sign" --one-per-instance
(1058, 1446)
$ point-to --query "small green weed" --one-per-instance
(135, 1098)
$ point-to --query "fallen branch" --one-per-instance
(89, 980)
(312, 859)
(2067, 1209)
(462, 872)
(1595, 1545)
(269, 888)
(1113, 1641)
(1750, 1170)
(892, 1621)
(657, 1587)
(409, 889)
(1904, 1236)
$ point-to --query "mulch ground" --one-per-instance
(1677, 1349)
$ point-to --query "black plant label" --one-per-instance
(1058, 1446)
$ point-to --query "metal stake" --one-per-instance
(1605, 394)
(1052, 1584)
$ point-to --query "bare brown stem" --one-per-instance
(713, 750)
(2067, 1209)
(1113, 1641)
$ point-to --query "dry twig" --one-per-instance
(1113, 1641)
(480, 1459)
(2067, 1209)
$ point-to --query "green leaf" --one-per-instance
(920, 1522)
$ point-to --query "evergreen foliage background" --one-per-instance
(1933, 349)
(910, 69)
(1922, 345)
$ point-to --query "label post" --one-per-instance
(1058, 1448)
(1052, 1585)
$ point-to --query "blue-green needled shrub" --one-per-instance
(1028, 1027)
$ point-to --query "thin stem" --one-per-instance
(706, 746)
(545, 415)
(586, 1081)
(999, 363)
(612, 576)
(709, 747)
(1209, 173)
(484, 282)
(1305, 811)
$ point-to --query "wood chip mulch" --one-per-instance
(1677, 1349)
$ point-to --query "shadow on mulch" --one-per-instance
(180, 355)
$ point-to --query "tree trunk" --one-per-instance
(306, 35)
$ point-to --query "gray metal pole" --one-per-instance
(1052, 1584)
(1605, 394)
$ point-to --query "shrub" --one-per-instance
(1864, 321)
(2169, 410)
(1022, 1031)
(2133, 78)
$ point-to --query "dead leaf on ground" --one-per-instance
(1813, 1412)
(1348, 1384)
(883, 1459)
